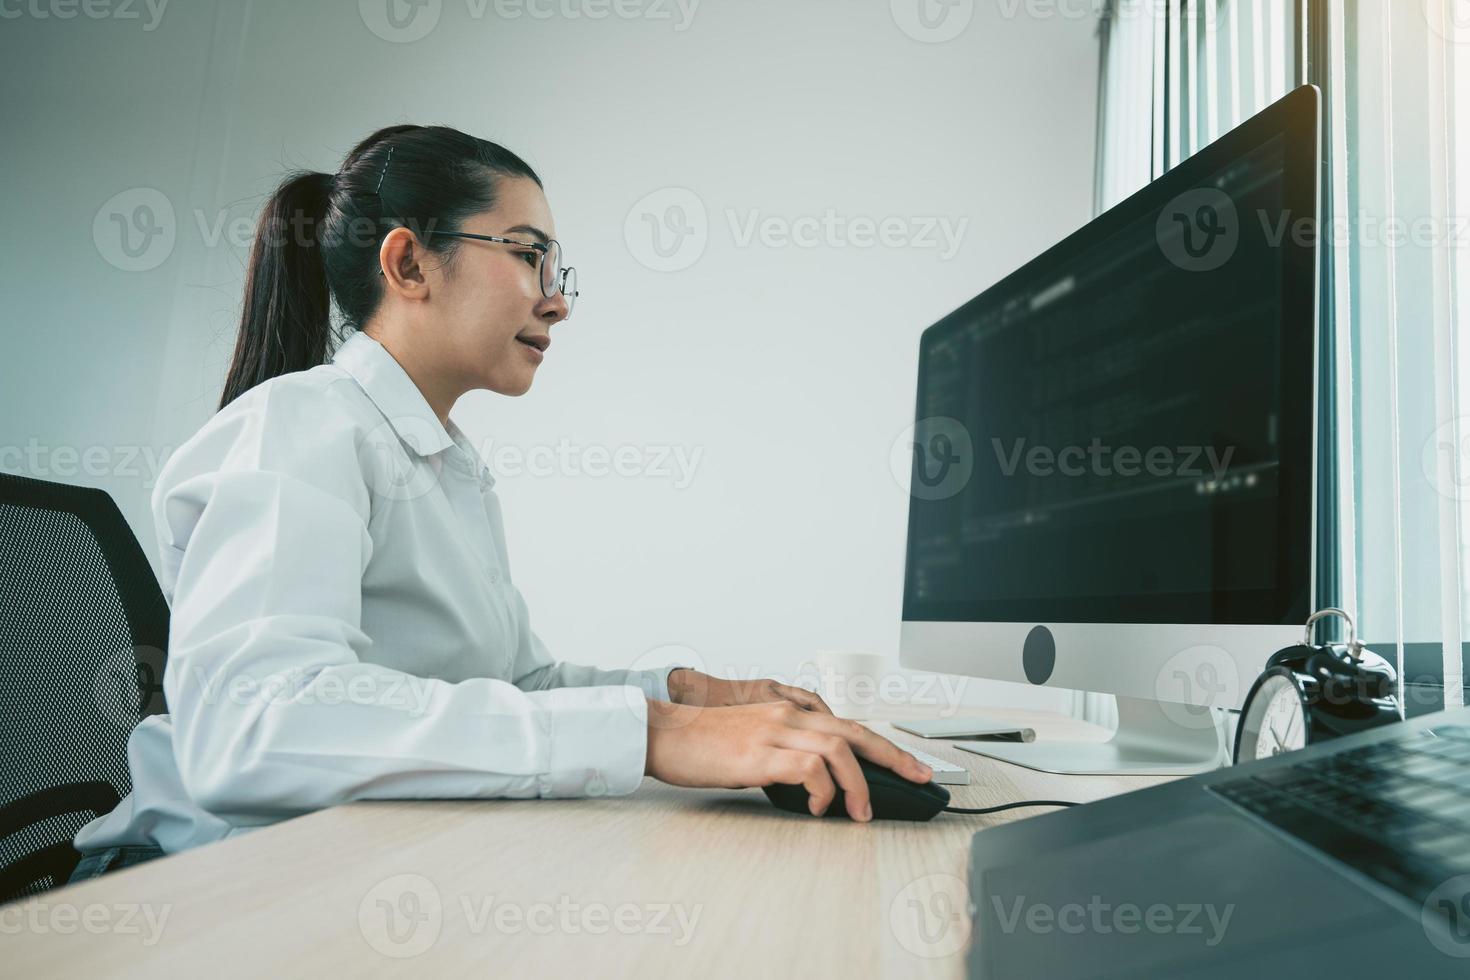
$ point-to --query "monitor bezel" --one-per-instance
(1296, 118)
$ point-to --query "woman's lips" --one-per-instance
(532, 350)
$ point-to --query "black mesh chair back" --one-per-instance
(83, 630)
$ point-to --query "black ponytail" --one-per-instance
(318, 238)
(287, 314)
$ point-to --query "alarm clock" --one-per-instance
(1310, 693)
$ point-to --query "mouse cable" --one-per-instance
(1008, 806)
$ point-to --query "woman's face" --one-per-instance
(486, 305)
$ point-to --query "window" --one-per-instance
(1394, 389)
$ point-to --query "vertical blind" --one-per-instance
(1394, 506)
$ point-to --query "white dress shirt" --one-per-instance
(344, 625)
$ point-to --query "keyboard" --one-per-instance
(945, 773)
(1397, 811)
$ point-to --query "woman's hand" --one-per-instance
(688, 686)
(761, 744)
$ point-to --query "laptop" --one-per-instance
(1346, 859)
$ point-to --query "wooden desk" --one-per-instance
(709, 883)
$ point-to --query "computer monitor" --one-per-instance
(1113, 487)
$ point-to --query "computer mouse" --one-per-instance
(892, 796)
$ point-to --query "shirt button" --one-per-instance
(494, 577)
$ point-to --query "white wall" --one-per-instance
(789, 370)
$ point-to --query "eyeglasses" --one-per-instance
(554, 278)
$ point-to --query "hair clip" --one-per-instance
(383, 176)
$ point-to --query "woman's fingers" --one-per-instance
(801, 697)
(810, 772)
(835, 755)
(866, 743)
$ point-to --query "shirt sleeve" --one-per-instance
(275, 713)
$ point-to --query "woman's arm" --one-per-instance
(536, 670)
(274, 710)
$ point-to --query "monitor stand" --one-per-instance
(1148, 743)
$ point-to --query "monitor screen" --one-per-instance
(1121, 431)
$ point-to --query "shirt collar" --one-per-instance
(395, 395)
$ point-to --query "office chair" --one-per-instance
(83, 634)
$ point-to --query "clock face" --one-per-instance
(1275, 720)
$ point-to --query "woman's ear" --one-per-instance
(400, 259)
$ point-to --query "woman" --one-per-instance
(344, 624)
